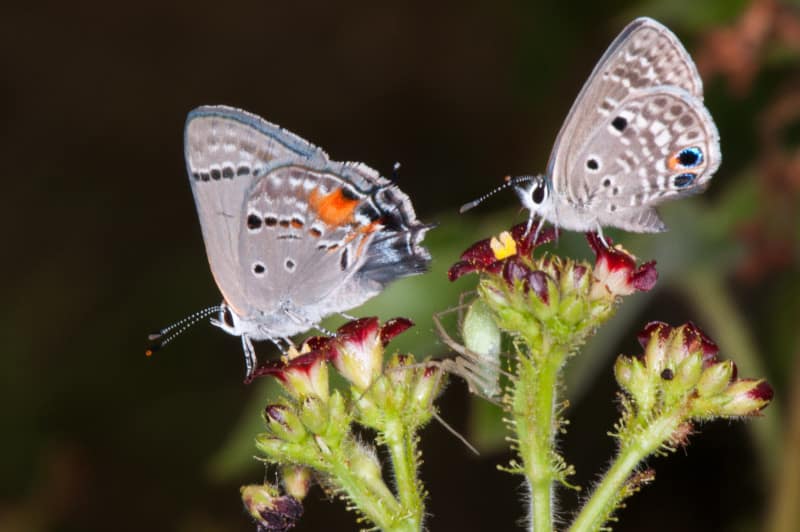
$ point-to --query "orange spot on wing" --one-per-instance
(673, 162)
(334, 209)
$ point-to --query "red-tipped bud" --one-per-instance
(271, 510)
(615, 271)
(306, 375)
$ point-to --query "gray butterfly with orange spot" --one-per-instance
(637, 135)
(291, 236)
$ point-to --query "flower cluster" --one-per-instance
(551, 295)
(310, 428)
(680, 371)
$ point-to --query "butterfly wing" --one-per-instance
(658, 144)
(225, 150)
(322, 237)
(645, 55)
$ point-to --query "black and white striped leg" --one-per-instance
(250, 360)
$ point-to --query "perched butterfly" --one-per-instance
(637, 135)
(291, 236)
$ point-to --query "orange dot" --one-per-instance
(335, 209)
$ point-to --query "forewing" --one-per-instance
(225, 150)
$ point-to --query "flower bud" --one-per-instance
(284, 423)
(314, 414)
(615, 271)
(746, 397)
(357, 352)
(715, 379)
(690, 370)
(429, 383)
(303, 376)
(296, 480)
(270, 509)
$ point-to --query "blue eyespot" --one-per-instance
(690, 157)
(684, 180)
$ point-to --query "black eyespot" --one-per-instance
(619, 123)
(290, 264)
(592, 164)
(538, 193)
(259, 268)
(684, 180)
(227, 172)
(253, 222)
(667, 374)
(606, 182)
(689, 157)
(270, 221)
(243, 170)
(344, 260)
(215, 174)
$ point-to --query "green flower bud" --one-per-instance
(314, 414)
(715, 379)
(296, 480)
(284, 423)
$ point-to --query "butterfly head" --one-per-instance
(533, 193)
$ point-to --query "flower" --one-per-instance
(488, 255)
(683, 363)
(357, 349)
(271, 511)
(615, 271)
(303, 376)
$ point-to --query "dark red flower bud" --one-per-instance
(651, 328)
(393, 327)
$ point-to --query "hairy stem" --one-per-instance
(534, 417)
(403, 451)
(635, 446)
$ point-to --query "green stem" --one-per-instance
(403, 451)
(373, 499)
(534, 417)
(611, 490)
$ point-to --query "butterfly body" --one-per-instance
(292, 236)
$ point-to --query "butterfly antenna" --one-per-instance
(167, 334)
(509, 182)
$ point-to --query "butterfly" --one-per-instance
(291, 236)
(637, 135)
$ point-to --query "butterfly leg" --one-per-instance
(250, 360)
(601, 237)
(298, 317)
(538, 229)
(347, 316)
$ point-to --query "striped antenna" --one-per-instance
(509, 182)
(167, 334)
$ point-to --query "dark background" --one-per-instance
(102, 243)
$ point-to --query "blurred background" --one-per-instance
(103, 244)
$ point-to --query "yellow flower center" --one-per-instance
(504, 246)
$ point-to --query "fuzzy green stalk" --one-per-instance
(401, 443)
(534, 403)
(374, 499)
(635, 446)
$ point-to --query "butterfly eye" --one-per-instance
(227, 316)
(537, 195)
